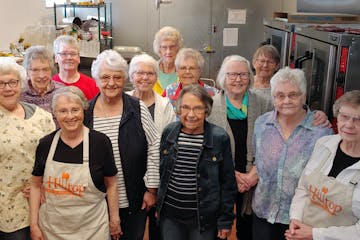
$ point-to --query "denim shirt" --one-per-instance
(216, 185)
(280, 163)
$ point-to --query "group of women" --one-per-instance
(117, 157)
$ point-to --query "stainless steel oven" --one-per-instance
(330, 57)
(279, 34)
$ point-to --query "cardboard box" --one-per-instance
(317, 17)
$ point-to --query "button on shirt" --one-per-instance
(280, 163)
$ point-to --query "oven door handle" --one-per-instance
(299, 61)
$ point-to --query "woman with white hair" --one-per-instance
(189, 64)
(167, 43)
(235, 109)
(21, 126)
(283, 142)
(143, 72)
(67, 56)
(135, 140)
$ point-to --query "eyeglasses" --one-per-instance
(170, 47)
(268, 62)
(107, 78)
(65, 112)
(40, 70)
(190, 69)
(343, 117)
(144, 74)
(291, 96)
(11, 83)
(185, 109)
(69, 54)
(234, 75)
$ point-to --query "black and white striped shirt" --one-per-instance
(181, 193)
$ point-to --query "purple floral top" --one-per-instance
(280, 163)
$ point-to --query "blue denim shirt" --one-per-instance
(280, 163)
(216, 185)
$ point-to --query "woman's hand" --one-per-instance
(115, 228)
(26, 191)
(245, 181)
(36, 233)
(149, 199)
(298, 231)
(320, 119)
(223, 233)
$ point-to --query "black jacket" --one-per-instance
(132, 147)
(216, 185)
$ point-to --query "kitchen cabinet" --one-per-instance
(101, 38)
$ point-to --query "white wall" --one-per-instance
(16, 15)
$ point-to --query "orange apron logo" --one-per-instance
(63, 186)
(319, 198)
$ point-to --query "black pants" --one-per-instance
(263, 230)
(132, 224)
(21, 234)
(154, 229)
(243, 223)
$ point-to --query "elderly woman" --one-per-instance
(22, 125)
(197, 181)
(278, 165)
(75, 167)
(67, 57)
(134, 137)
(189, 64)
(326, 204)
(143, 72)
(236, 110)
(266, 62)
(40, 89)
(167, 44)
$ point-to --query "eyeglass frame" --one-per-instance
(190, 69)
(241, 75)
(105, 79)
(343, 117)
(197, 110)
(143, 73)
(292, 96)
(268, 62)
(66, 112)
(65, 54)
(12, 84)
(39, 70)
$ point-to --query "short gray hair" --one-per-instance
(186, 53)
(145, 59)
(37, 53)
(70, 92)
(198, 91)
(65, 40)
(166, 33)
(9, 66)
(349, 98)
(220, 79)
(288, 75)
(111, 59)
(268, 51)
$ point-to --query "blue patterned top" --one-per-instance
(280, 163)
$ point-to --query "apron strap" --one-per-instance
(85, 145)
(355, 179)
(53, 146)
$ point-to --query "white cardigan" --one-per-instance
(325, 149)
(163, 113)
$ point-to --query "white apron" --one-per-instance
(330, 201)
(74, 207)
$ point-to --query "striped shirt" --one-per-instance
(181, 193)
(110, 127)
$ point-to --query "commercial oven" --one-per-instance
(279, 34)
(329, 56)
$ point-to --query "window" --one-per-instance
(50, 3)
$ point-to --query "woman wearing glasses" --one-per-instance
(134, 137)
(75, 169)
(197, 181)
(189, 63)
(167, 44)
(40, 88)
(66, 51)
(21, 126)
(235, 109)
(326, 204)
(283, 141)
